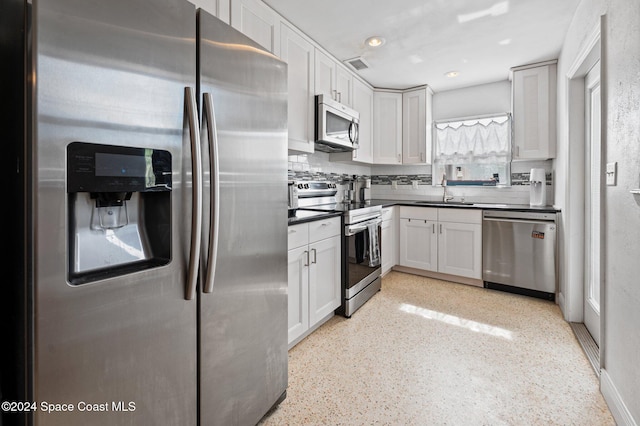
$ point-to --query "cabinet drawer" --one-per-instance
(426, 213)
(321, 229)
(298, 235)
(460, 215)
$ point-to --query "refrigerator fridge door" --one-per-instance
(112, 73)
(243, 319)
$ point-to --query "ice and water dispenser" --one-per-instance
(119, 210)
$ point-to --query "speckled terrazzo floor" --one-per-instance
(429, 352)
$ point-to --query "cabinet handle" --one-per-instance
(422, 156)
(433, 230)
(314, 256)
(425, 221)
(441, 228)
(399, 158)
(306, 253)
(335, 95)
(292, 231)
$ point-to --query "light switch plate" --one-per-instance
(612, 172)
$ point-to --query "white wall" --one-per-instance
(621, 246)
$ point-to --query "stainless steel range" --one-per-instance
(361, 245)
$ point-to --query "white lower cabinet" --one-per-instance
(389, 238)
(443, 240)
(419, 238)
(460, 249)
(315, 265)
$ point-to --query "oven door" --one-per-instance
(362, 255)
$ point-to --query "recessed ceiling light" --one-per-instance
(504, 42)
(452, 74)
(375, 41)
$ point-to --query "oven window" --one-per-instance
(359, 260)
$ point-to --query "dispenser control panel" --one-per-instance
(110, 168)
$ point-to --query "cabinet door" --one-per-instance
(414, 126)
(298, 292)
(324, 278)
(344, 86)
(363, 103)
(419, 244)
(387, 128)
(258, 21)
(299, 54)
(325, 75)
(534, 112)
(460, 249)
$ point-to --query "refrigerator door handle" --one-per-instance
(196, 208)
(208, 113)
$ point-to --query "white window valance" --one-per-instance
(477, 140)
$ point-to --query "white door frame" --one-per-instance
(593, 198)
(572, 299)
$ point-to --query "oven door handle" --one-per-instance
(350, 230)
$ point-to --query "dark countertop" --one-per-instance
(303, 216)
(480, 206)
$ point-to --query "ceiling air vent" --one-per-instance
(357, 63)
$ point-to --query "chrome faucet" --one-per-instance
(445, 197)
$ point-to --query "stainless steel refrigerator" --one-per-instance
(146, 148)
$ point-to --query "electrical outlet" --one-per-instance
(394, 184)
(414, 184)
(612, 172)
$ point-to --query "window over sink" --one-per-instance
(474, 151)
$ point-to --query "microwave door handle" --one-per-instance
(352, 132)
(356, 142)
(214, 209)
(196, 204)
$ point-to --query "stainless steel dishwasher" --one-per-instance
(519, 252)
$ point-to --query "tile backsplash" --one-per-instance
(397, 182)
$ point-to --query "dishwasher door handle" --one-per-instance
(513, 220)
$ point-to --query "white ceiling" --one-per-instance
(481, 39)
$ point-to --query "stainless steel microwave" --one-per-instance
(336, 126)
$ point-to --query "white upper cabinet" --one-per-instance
(402, 126)
(298, 53)
(258, 21)
(344, 86)
(416, 126)
(332, 80)
(387, 127)
(363, 103)
(218, 8)
(534, 111)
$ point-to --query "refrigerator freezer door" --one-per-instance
(112, 73)
(243, 332)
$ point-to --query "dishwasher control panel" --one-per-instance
(522, 215)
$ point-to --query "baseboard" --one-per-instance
(619, 410)
(440, 276)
